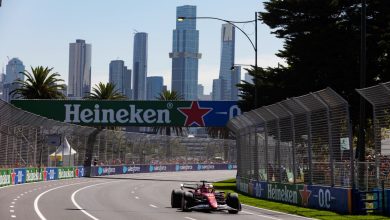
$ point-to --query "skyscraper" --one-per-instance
(227, 61)
(248, 78)
(217, 90)
(140, 64)
(14, 71)
(154, 87)
(236, 79)
(127, 84)
(200, 91)
(121, 77)
(185, 54)
(79, 69)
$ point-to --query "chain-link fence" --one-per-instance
(31, 140)
(377, 165)
(306, 139)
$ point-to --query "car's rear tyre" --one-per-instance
(233, 202)
(186, 200)
(176, 198)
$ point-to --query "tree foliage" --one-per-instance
(40, 83)
(106, 91)
(169, 96)
(321, 49)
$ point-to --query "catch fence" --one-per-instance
(377, 166)
(29, 140)
(305, 139)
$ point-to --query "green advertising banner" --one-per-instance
(34, 175)
(134, 113)
(288, 193)
(66, 172)
(5, 177)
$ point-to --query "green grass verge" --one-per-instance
(230, 186)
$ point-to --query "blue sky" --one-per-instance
(39, 32)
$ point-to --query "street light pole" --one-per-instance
(254, 78)
(254, 45)
(362, 113)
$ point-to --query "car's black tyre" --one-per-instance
(186, 201)
(176, 198)
(233, 201)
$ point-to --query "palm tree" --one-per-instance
(169, 96)
(106, 91)
(41, 83)
(101, 91)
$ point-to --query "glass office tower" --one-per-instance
(185, 54)
(140, 64)
(79, 84)
(154, 86)
(121, 77)
(227, 62)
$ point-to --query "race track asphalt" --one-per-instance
(132, 196)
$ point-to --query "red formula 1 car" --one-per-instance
(203, 197)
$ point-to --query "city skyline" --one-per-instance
(110, 34)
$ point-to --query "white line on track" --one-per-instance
(132, 192)
(15, 199)
(12, 210)
(189, 218)
(151, 205)
(12, 202)
(275, 211)
(11, 206)
(39, 213)
(264, 216)
(136, 197)
(78, 206)
(13, 216)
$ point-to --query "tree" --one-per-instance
(40, 83)
(322, 44)
(169, 96)
(106, 91)
(270, 87)
(322, 48)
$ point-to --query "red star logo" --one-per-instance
(194, 114)
(13, 174)
(44, 175)
(305, 195)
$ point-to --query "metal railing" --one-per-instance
(25, 141)
(305, 139)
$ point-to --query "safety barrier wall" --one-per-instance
(310, 196)
(16, 176)
(128, 169)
